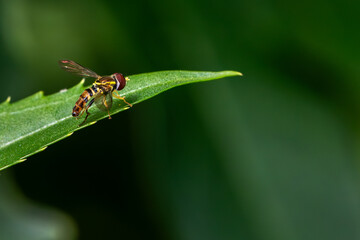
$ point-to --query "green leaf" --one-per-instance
(30, 125)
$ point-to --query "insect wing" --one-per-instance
(73, 67)
(104, 101)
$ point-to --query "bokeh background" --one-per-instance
(271, 155)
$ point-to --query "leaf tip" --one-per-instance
(230, 73)
(43, 148)
(80, 84)
(21, 160)
(233, 73)
(7, 101)
(16, 162)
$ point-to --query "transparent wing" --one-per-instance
(104, 101)
(73, 67)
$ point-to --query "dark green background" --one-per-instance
(271, 155)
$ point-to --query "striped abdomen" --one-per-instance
(83, 99)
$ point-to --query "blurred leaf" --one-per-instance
(289, 158)
(32, 124)
(21, 218)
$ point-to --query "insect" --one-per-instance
(101, 92)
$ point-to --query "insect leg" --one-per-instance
(122, 98)
(81, 113)
(86, 110)
(107, 107)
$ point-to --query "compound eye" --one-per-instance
(121, 82)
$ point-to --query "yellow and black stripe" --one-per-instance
(83, 99)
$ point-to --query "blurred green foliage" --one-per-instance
(271, 156)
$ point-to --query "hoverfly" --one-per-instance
(101, 92)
